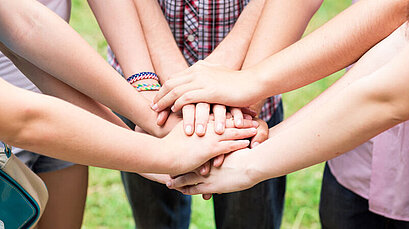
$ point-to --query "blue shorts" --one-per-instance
(42, 164)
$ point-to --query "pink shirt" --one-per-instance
(377, 170)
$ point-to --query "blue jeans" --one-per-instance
(341, 208)
(154, 206)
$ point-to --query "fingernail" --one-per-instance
(202, 170)
(219, 127)
(238, 122)
(173, 108)
(255, 124)
(169, 184)
(189, 129)
(255, 144)
(200, 129)
(154, 107)
(254, 130)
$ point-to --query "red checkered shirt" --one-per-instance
(198, 27)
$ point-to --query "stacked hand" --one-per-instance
(210, 83)
(199, 117)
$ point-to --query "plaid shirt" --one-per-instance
(198, 26)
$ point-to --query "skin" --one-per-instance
(160, 53)
(30, 37)
(375, 90)
(50, 126)
(330, 48)
(168, 59)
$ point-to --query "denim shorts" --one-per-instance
(42, 164)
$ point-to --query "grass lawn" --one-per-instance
(107, 206)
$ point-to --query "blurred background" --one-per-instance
(107, 206)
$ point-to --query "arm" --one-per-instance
(36, 34)
(335, 45)
(54, 87)
(165, 54)
(48, 125)
(360, 111)
(119, 21)
(286, 30)
(233, 49)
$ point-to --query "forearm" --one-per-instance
(332, 47)
(375, 58)
(165, 54)
(58, 129)
(36, 34)
(54, 87)
(276, 30)
(119, 22)
(359, 112)
(232, 50)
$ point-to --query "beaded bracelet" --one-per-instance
(142, 76)
(147, 87)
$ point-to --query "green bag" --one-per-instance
(23, 195)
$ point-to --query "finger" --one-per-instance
(218, 161)
(205, 169)
(260, 137)
(237, 116)
(202, 118)
(219, 112)
(162, 117)
(246, 123)
(246, 110)
(194, 189)
(207, 196)
(247, 116)
(226, 147)
(169, 98)
(188, 112)
(193, 96)
(170, 85)
(234, 134)
(184, 180)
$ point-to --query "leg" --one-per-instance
(342, 209)
(67, 194)
(259, 207)
(154, 206)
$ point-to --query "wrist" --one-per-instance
(251, 86)
(253, 173)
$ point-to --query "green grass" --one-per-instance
(107, 206)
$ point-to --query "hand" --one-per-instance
(185, 153)
(160, 178)
(195, 117)
(204, 82)
(262, 133)
(237, 173)
(165, 120)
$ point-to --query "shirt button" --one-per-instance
(191, 38)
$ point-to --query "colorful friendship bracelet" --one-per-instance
(142, 76)
(147, 87)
